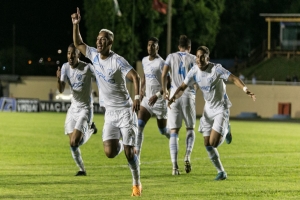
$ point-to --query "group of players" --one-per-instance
(183, 71)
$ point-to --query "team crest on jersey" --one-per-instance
(79, 77)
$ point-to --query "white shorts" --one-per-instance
(182, 109)
(159, 108)
(78, 118)
(120, 123)
(214, 119)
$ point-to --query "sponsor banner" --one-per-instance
(28, 105)
(54, 106)
(8, 104)
(62, 106)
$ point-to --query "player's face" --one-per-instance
(73, 55)
(103, 43)
(152, 48)
(201, 59)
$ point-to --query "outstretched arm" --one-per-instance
(135, 78)
(77, 39)
(60, 84)
(238, 82)
(177, 93)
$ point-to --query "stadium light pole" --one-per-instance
(169, 31)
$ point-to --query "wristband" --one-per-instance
(245, 89)
(137, 97)
(158, 94)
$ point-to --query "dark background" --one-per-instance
(41, 29)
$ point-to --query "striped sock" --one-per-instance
(135, 170)
(189, 140)
(174, 147)
(76, 154)
(214, 156)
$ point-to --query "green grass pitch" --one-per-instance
(262, 162)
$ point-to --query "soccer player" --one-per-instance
(178, 64)
(151, 94)
(78, 124)
(111, 71)
(214, 123)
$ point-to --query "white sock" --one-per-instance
(214, 156)
(174, 147)
(86, 136)
(76, 154)
(139, 141)
(135, 170)
(189, 140)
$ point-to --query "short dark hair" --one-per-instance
(72, 45)
(154, 39)
(204, 49)
(184, 41)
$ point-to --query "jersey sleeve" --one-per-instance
(91, 53)
(123, 65)
(222, 73)
(92, 70)
(190, 77)
(63, 75)
(168, 60)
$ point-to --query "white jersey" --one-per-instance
(180, 63)
(111, 78)
(80, 81)
(153, 70)
(211, 83)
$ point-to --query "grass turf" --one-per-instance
(262, 162)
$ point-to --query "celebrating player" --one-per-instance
(120, 117)
(78, 124)
(178, 64)
(214, 123)
(151, 94)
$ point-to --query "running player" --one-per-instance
(214, 123)
(178, 64)
(111, 71)
(78, 124)
(151, 94)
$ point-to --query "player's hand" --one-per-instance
(251, 95)
(76, 17)
(152, 100)
(58, 73)
(136, 105)
(172, 100)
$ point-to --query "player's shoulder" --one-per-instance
(66, 65)
(145, 59)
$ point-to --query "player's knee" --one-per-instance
(208, 148)
(141, 123)
(109, 153)
(74, 143)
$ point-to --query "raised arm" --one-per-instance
(77, 39)
(60, 84)
(135, 78)
(238, 82)
(177, 93)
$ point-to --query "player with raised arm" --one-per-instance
(178, 64)
(214, 123)
(78, 125)
(111, 71)
(151, 94)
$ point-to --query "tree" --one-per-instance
(198, 19)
